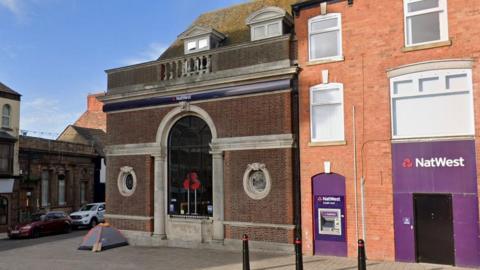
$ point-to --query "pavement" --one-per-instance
(60, 252)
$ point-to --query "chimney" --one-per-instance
(93, 105)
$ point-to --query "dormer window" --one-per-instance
(268, 22)
(198, 44)
(199, 38)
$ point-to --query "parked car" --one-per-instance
(89, 215)
(42, 224)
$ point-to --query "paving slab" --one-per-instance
(60, 252)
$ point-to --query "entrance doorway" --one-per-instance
(434, 228)
(190, 168)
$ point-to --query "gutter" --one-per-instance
(308, 4)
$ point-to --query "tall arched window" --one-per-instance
(3, 211)
(190, 168)
(6, 111)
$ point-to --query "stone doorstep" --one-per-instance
(3, 236)
(146, 239)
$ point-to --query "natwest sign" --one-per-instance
(434, 162)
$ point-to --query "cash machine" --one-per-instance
(329, 214)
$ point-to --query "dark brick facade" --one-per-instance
(77, 162)
(239, 206)
(277, 235)
(141, 201)
(237, 100)
(254, 116)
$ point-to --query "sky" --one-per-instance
(54, 52)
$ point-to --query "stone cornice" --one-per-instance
(253, 142)
(152, 149)
(276, 141)
(227, 78)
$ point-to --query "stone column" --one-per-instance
(159, 197)
(218, 196)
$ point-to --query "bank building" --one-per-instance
(201, 141)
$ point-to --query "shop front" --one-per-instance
(436, 202)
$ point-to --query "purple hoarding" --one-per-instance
(436, 167)
(329, 214)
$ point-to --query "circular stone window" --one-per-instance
(256, 181)
(127, 181)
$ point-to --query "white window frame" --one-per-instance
(6, 118)
(322, 87)
(441, 9)
(416, 77)
(338, 28)
(197, 44)
(265, 25)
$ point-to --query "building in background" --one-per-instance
(90, 129)
(42, 174)
(201, 141)
(56, 175)
(93, 117)
(408, 69)
(9, 168)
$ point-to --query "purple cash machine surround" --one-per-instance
(329, 214)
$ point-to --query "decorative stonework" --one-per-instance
(184, 106)
(256, 181)
(127, 181)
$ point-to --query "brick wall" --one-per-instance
(285, 236)
(140, 203)
(373, 38)
(133, 225)
(276, 208)
(253, 117)
(94, 117)
(75, 168)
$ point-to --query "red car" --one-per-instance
(42, 224)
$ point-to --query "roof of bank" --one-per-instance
(229, 21)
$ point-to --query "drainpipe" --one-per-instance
(296, 176)
(355, 180)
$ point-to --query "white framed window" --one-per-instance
(426, 21)
(127, 181)
(326, 113)
(195, 45)
(434, 103)
(257, 182)
(6, 113)
(325, 37)
(266, 30)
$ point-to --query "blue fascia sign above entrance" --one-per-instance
(210, 94)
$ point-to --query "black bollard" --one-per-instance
(246, 258)
(362, 260)
(298, 254)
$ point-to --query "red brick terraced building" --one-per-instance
(388, 121)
